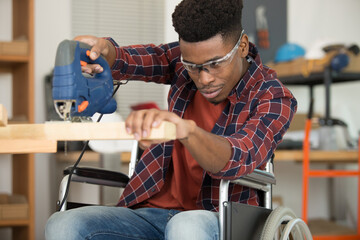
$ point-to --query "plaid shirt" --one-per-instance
(258, 114)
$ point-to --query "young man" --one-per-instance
(230, 113)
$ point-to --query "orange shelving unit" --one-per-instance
(308, 173)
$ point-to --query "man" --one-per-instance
(230, 113)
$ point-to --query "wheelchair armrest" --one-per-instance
(258, 179)
(261, 176)
(98, 176)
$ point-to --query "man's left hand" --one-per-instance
(141, 122)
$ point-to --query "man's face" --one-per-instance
(216, 85)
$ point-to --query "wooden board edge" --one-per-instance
(63, 131)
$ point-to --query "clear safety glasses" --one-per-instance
(214, 66)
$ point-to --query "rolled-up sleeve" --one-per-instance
(256, 139)
(149, 63)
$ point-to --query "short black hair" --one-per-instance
(199, 20)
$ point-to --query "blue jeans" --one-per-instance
(100, 222)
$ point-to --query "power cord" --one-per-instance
(61, 204)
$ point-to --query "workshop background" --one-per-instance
(306, 23)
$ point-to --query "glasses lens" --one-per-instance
(217, 66)
(191, 68)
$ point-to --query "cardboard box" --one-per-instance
(13, 207)
(299, 121)
(17, 47)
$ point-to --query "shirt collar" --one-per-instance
(250, 75)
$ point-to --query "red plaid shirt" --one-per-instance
(258, 114)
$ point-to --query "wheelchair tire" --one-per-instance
(277, 217)
(300, 225)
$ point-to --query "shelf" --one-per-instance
(13, 53)
(89, 156)
(318, 78)
(18, 120)
(9, 60)
(17, 58)
(14, 223)
(329, 228)
(14, 48)
(9, 63)
(71, 157)
(311, 72)
(318, 156)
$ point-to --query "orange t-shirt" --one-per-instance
(184, 177)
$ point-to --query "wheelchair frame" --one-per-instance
(259, 179)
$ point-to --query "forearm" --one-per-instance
(111, 57)
(147, 63)
(212, 152)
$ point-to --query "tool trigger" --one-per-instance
(83, 106)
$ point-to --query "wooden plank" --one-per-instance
(22, 146)
(64, 131)
(3, 116)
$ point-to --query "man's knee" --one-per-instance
(63, 225)
(197, 224)
(72, 224)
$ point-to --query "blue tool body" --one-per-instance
(70, 84)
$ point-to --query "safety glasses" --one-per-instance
(214, 66)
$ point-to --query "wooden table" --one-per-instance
(280, 156)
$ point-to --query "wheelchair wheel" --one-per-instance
(277, 222)
(301, 226)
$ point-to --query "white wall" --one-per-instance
(170, 34)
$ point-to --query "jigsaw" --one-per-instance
(78, 96)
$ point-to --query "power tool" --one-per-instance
(78, 96)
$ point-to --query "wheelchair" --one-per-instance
(236, 220)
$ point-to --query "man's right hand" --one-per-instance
(99, 46)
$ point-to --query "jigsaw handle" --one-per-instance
(84, 57)
(69, 83)
(69, 50)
